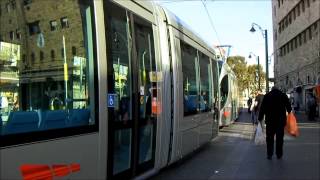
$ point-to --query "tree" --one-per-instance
(247, 75)
(239, 67)
(253, 81)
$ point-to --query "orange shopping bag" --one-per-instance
(292, 126)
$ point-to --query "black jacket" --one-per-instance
(259, 100)
(274, 107)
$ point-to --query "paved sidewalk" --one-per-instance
(233, 155)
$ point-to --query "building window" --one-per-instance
(33, 57)
(298, 9)
(18, 34)
(299, 39)
(308, 3)
(11, 34)
(315, 26)
(74, 50)
(294, 13)
(291, 45)
(302, 4)
(23, 58)
(34, 28)
(8, 7)
(26, 2)
(53, 25)
(53, 56)
(295, 42)
(13, 5)
(64, 22)
(289, 16)
(41, 55)
(305, 36)
(286, 21)
(279, 30)
(62, 52)
(278, 3)
(310, 32)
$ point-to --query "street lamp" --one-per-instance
(251, 53)
(265, 35)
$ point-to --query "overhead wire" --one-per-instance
(206, 9)
(211, 23)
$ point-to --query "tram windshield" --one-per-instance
(224, 88)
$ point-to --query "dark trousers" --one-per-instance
(272, 130)
(312, 113)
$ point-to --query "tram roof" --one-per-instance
(184, 28)
(177, 23)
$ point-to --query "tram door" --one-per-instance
(132, 93)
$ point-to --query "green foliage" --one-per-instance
(246, 74)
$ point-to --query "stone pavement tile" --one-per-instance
(233, 155)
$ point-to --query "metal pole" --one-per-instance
(267, 64)
(65, 65)
(258, 73)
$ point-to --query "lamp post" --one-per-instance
(258, 67)
(265, 35)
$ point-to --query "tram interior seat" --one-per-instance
(191, 103)
(28, 121)
(79, 117)
(54, 119)
(21, 122)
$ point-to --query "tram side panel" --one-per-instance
(164, 125)
(206, 107)
(192, 114)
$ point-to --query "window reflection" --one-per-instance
(190, 79)
(205, 83)
(37, 93)
(121, 63)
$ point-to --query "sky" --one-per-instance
(232, 20)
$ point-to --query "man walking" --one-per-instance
(257, 105)
(249, 102)
(274, 107)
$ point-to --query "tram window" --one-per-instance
(147, 66)
(205, 83)
(120, 49)
(215, 77)
(190, 70)
(58, 94)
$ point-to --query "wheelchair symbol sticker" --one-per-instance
(111, 100)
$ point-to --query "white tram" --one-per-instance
(229, 95)
(95, 89)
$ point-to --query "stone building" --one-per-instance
(296, 35)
